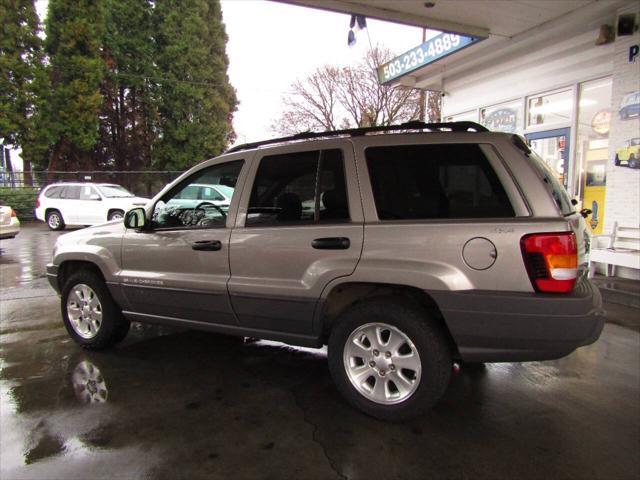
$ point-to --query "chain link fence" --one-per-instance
(20, 189)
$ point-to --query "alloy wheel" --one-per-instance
(84, 311)
(382, 363)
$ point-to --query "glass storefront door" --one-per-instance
(553, 147)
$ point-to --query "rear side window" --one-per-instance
(300, 187)
(54, 192)
(71, 192)
(435, 181)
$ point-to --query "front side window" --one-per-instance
(88, 193)
(299, 188)
(184, 207)
(435, 181)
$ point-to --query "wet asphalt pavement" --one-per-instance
(168, 404)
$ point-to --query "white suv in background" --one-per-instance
(63, 204)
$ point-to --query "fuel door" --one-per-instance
(479, 253)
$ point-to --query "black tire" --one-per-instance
(54, 220)
(427, 338)
(616, 161)
(115, 215)
(113, 327)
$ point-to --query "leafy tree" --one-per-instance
(74, 35)
(21, 65)
(196, 101)
(332, 98)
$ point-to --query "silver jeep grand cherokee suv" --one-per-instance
(401, 248)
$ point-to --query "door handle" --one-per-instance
(331, 243)
(208, 245)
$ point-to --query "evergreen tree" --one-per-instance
(74, 36)
(21, 66)
(128, 111)
(196, 101)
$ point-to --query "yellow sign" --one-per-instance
(594, 201)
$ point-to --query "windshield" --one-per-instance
(115, 191)
(553, 185)
(224, 190)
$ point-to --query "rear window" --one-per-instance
(435, 181)
(552, 184)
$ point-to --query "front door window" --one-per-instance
(188, 205)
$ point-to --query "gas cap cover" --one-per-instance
(479, 253)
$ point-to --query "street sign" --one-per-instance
(434, 49)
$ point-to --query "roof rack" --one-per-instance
(357, 132)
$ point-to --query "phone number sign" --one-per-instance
(434, 49)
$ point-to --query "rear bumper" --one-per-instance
(11, 229)
(492, 326)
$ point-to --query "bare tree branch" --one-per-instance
(332, 98)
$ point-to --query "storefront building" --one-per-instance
(575, 95)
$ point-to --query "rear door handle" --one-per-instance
(208, 245)
(331, 243)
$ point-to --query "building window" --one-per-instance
(470, 116)
(592, 146)
(550, 109)
(504, 117)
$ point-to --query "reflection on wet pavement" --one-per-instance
(88, 383)
(170, 403)
(23, 261)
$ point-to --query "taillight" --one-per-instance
(13, 213)
(551, 260)
(37, 203)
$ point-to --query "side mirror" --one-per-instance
(136, 219)
(94, 196)
(585, 212)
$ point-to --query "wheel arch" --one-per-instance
(69, 267)
(113, 210)
(48, 210)
(345, 295)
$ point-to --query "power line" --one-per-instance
(166, 79)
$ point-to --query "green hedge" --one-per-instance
(22, 200)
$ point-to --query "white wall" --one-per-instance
(623, 183)
(544, 61)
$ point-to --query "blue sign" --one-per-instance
(430, 51)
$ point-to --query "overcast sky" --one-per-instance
(272, 44)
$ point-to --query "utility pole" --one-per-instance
(423, 94)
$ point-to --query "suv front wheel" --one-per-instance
(89, 313)
(389, 359)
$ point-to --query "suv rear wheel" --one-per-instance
(54, 220)
(389, 359)
(89, 313)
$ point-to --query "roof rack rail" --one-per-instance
(357, 132)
